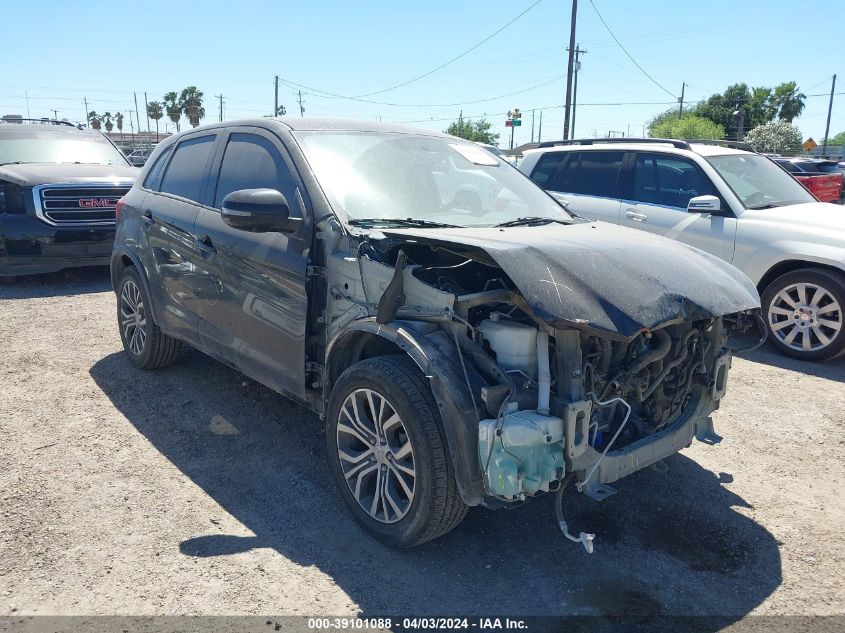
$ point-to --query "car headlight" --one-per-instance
(11, 198)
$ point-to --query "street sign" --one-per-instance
(810, 144)
(508, 123)
(516, 122)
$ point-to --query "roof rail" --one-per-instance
(596, 141)
(11, 119)
(723, 143)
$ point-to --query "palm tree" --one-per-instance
(119, 119)
(94, 120)
(191, 102)
(173, 107)
(109, 124)
(155, 111)
(788, 100)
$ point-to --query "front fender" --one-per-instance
(757, 263)
(435, 354)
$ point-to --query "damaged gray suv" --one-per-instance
(466, 339)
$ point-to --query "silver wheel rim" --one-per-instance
(133, 319)
(376, 455)
(805, 317)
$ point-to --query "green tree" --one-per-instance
(778, 137)
(689, 126)
(478, 131)
(788, 100)
(94, 120)
(281, 111)
(107, 118)
(173, 107)
(191, 101)
(155, 111)
(839, 139)
(118, 118)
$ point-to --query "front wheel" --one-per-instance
(804, 313)
(388, 454)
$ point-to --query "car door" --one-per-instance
(168, 215)
(587, 180)
(261, 311)
(658, 189)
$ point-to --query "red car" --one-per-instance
(821, 177)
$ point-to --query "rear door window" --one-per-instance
(669, 181)
(598, 174)
(547, 167)
(151, 181)
(184, 175)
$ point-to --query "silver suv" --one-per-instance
(737, 205)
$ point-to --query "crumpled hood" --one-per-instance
(600, 276)
(29, 174)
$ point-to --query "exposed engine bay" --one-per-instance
(553, 399)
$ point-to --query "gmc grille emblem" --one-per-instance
(97, 202)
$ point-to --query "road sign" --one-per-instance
(516, 122)
(508, 123)
(810, 144)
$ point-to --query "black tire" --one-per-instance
(436, 506)
(156, 349)
(824, 341)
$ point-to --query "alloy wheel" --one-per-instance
(133, 319)
(805, 317)
(376, 455)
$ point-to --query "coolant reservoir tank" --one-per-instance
(515, 344)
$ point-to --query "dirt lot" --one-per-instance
(194, 491)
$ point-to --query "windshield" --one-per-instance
(758, 182)
(372, 175)
(50, 146)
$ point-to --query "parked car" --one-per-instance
(138, 157)
(59, 186)
(821, 177)
(459, 357)
(737, 205)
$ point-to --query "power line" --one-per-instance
(454, 59)
(624, 50)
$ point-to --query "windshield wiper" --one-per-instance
(429, 224)
(13, 162)
(532, 220)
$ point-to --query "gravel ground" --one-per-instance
(193, 490)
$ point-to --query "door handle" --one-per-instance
(147, 216)
(205, 245)
(635, 216)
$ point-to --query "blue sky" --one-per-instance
(59, 51)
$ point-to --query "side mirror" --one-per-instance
(257, 210)
(704, 204)
(561, 199)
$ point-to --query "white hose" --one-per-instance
(544, 378)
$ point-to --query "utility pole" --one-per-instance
(26, 94)
(276, 100)
(540, 131)
(681, 101)
(221, 105)
(569, 68)
(137, 114)
(132, 126)
(55, 114)
(829, 109)
(532, 126)
(578, 53)
(147, 111)
(301, 108)
(85, 101)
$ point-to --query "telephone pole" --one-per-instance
(578, 53)
(55, 114)
(829, 109)
(276, 100)
(532, 126)
(681, 101)
(569, 69)
(147, 111)
(137, 114)
(221, 105)
(540, 130)
(301, 107)
(85, 101)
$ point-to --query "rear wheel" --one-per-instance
(144, 343)
(804, 313)
(388, 454)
